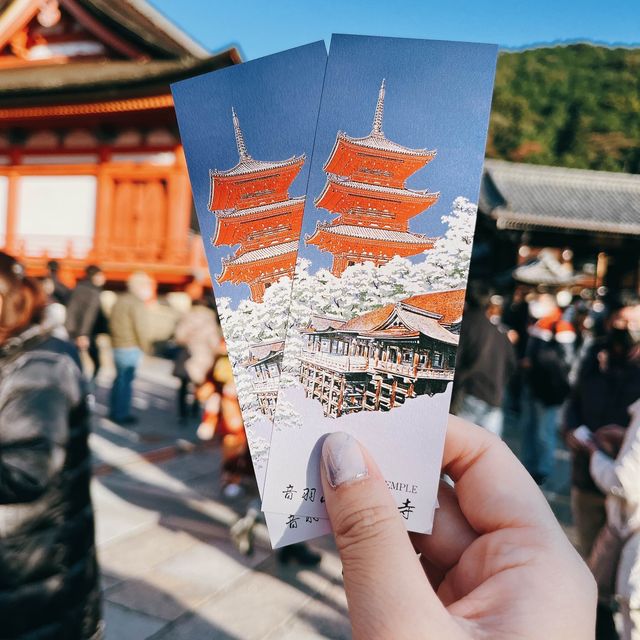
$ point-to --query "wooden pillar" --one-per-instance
(392, 399)
(257, 291)
(340, 398)
(179, 212)
(11, 228)
(104, 206)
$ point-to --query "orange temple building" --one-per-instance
(366, 188)
(253, 209)
(91, 165)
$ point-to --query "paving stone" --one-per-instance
(115, 517)
(126, 624)
(138, 553)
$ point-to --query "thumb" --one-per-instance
(387, 591)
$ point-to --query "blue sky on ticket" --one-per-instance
(276, 99)
(437, 96)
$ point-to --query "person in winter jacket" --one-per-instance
(546, 385)
(85, 318)
(49, 586)
(608, 382)
(198, 336)
(615, 556)
(130, 338)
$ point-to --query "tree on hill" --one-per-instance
(574, 106)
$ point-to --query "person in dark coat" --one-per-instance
(49, 586)
(60, 292)
(85, 319)
(485, 363)
(608, 383)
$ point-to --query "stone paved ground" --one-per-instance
(169, 569)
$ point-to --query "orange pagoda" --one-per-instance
(253, 209)
(366, 189)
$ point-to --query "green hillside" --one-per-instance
(575, 106)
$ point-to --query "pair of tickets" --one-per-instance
(336, 195)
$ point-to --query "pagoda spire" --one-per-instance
(377, 118)
(242, 147)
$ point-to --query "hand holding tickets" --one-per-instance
(497, 565)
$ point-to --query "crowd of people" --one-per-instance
(565, 367)
(555, 365)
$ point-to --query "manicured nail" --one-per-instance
(343, 459)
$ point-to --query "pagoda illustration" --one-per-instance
(366, 189)
(254, 210)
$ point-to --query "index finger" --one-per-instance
(494, 490)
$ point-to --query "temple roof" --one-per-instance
(136, 20)
(246, 164)
(376, 139)
(372, 233)
(144, 53)
(324, 323)
(262, 254)
(443, 307)
(250, 166)
(350, 184)
(264, 351)
(526, 196)
(382, 143)
(448, 304)
(99, 80)
(273, 206)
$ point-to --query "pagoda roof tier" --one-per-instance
(253, 183)
(235, 225)
(249, 165)
(346, 238)
(252, 264)
(343, 196)
(374, 158)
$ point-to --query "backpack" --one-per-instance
(549, 372)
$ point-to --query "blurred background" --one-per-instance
(92, 174)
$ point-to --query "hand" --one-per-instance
(610, 438)
(82, 342)
(579, 446)
(497, 565)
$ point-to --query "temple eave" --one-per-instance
(248, 167)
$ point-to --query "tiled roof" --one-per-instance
(522, 196)
(373, 233)
(379, 141)
(258, 352)
(411, 193)
(368, 321)
(263, 254)
(448, 304)
(322, 323)
(426, 326)
(445, 307)
(167, 54)
(250, 165)
(237, 213)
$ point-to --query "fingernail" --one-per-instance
(343, 459)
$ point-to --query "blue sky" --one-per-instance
(261, 27)
(276, 99)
